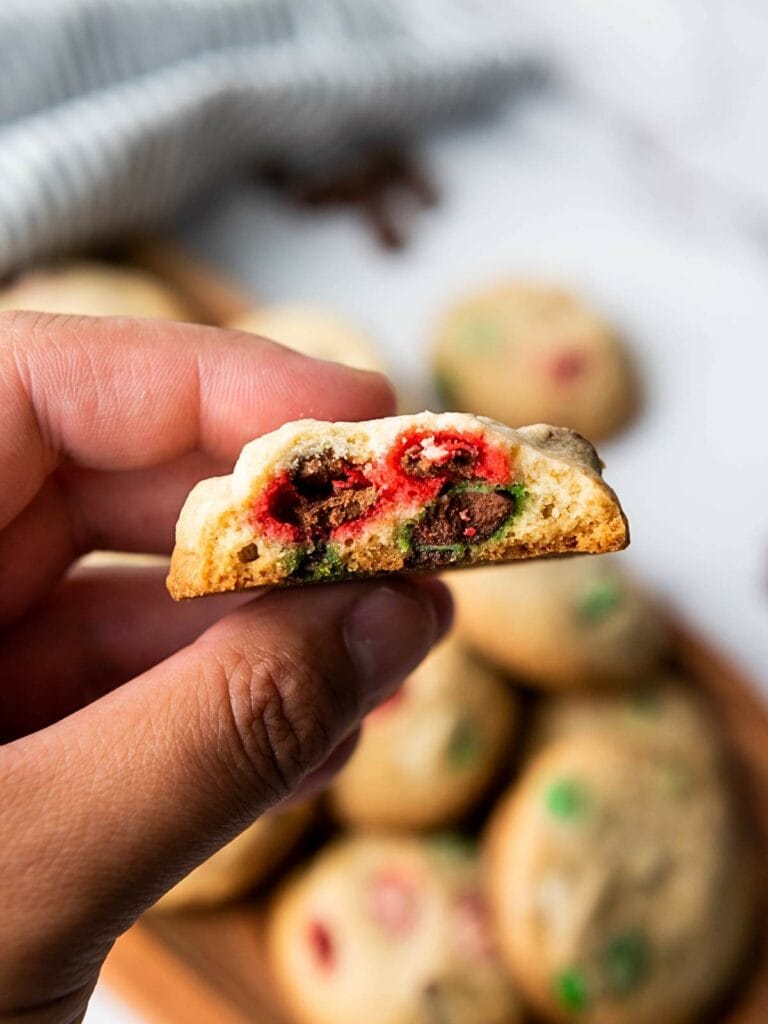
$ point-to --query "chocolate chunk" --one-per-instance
(325, 492)
(462, 517)
(459, 464)
(249, 553)
(319, 517)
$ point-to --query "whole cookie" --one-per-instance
(241, 864)
(667, 710)
(526, 353)
(620, 883)
(430, 752)
(315, 332)
(388, 931)
(561, 623)
(94, 289)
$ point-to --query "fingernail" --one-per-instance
(387, 633)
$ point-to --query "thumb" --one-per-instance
(108, 808)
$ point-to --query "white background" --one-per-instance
(639, 176)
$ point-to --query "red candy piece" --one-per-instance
(394, 901)
(472, 925)
(321, 941)
(567, 366)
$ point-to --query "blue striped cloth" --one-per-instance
(114, 113)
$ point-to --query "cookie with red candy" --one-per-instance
(316, 502)
(429, 753)
(524, 352)
(388, 930)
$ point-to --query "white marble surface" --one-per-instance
(641, 177)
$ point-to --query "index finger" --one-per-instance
(119, 393)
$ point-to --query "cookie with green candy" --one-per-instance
(526, 353)
(562, 624)
(389, 930)
(429, 753)
(619, 898)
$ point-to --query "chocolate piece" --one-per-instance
(325, 491)
(249, 553)
(459, 464)
(463, 516)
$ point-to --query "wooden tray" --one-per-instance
(209, 968)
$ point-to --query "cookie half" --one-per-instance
(316, 501)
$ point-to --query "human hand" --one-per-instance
(111, 792)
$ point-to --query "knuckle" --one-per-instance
(279, 723)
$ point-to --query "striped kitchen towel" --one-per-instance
(114, 113)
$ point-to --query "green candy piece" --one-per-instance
(320, 565)
(600, 599)
(571, 990)
(566, 799)
(480, 334)
(465, 745)
(625, 962)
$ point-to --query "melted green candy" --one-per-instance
(570, 989)
(599, 600)
(465, 745)
(566, 799)
(625, 962)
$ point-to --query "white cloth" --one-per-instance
(114, 113)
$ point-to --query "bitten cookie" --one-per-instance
(388, 931)
(666, 710)
(620, 883)
(243, 863)
(566, 623)
(94, 289)
(316, 501)
(430, 752)
(523, 353)
(313, 331)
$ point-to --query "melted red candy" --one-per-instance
(394, 901)
(567, 366)
(321, 942)
(414, 471)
